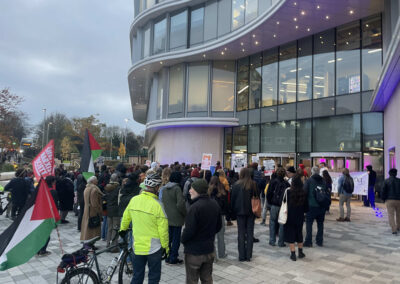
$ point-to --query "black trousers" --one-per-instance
(81, 210)
(245, 226)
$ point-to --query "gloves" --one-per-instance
(165, 253)
(122, 234)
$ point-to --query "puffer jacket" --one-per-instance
(111, 191)
(391, 189)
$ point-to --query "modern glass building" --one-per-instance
(268, 80)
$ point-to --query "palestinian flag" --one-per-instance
(90, 152)
(30, 231)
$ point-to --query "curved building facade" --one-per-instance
(281, 81)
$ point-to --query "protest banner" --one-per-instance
(43, 164)
(360, 182)
(239, 161)
(206, 161)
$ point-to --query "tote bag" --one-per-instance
(282, 218)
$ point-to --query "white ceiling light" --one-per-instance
(244, 89)
(303, 13)
(295, 19)
(277, 22)
(327, 17)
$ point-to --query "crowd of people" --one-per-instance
(169, 205)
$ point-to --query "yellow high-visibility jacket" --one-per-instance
(149, 223)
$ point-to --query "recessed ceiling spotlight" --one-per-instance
(241, 43)
(351, 12)
(243, 50)
(277, 22)
(303, 13)
(308, 29)
(256, 43)
(347, 42)
(161, 62)
(318, 6)
(296, 27)
(254, 35)
(349, 33)
(327, 17)
(367, 25)
(204, 56)
(274, 35)
(225, 49)
(295, 3)
(222, 53)
(295, 19)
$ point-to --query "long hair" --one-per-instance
(216, 185)
(166, 173)
(221, 173)
(297, 193)
(245, 179)
(327, 177)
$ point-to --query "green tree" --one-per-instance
(66, 148)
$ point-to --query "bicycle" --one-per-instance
(78, 266)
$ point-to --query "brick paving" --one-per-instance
(362, 251)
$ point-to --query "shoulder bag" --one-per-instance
(256, 205)
(283, 211)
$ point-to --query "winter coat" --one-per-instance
(111, 192)
(130, 189)
(341, 186)
(65, 190)
(104, 179)
(186, 189)
(203, 221)
(391, 189)
(93, 194)
(241, 200)
(20, 189)
(221, 200)
(276, 190)
(174, 204)
(295, 213)
(80, 188)
(317, 180)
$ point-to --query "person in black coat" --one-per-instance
(20, 190)
(242, 192)
(203, 221)
(66, 195)
(129, 190)
(297, 205)
(80, 188)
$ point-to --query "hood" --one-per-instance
(111, 186)
(318, 178)
(170, 185)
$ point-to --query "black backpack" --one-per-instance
(322, 194)
(279, 192)
(348, 184)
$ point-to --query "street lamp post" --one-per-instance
(126, 128)
(48, 125)
(111, 138)
(44, 125)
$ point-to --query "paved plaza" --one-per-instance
(362, 251)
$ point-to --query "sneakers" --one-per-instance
(282, 245)
(394, 233)
(177, 262)
(43, 253)
(64, 222)
(347, 219)
(340, 219)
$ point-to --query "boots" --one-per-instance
(293, 255)
(301, 254)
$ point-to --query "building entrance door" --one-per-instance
(336, 162)
(271, 160)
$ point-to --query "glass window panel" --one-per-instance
(373, 131)
(348, 104)
(176, 81)
(160, 93)
(366, 99)
(269, 114)
(240, 139)
(270, 77)
(255, 81)
(348, 59)
(254, 139)
(324, 107)
(287, 74)
(242, 88)
(304, 109)
(223, 85)
(324, 64)
(304, 65)
(160, 36)
(228, 140)
(337, 133)
(251, 9)
(238, 10)
(178, 30)
(150, 3)
(210, 20)
(146, 42)
(287, 112)
(263, 5)
(278, 137)
(196, 26)
(198, 87)
(371, 52)
(224, 17)
(304, 135)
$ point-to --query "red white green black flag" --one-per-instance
(90, 152)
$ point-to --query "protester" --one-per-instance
(128, 191)
(80, 188)
(297, 206)
(345, 190)
(315, 212)
(369, 200)
(391, 196)
(328, 180)
(175, 209)
(290, 173)
(242, 192)
(150, 230)
(20, 191)
(264, 203)
(93, 207)
(166, 173)
(275, 194)
(305, 174)
(322, 168)
(65, 190)
(223, 179)
(203, 221)
(194, 175)
(232, 179)
(104, 178)
(111, 191)
(217, 192)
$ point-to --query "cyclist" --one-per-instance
(149, 229)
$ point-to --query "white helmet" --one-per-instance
(152, 180)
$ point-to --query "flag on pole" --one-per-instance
(90, 152)
(30, 231)
(43, 164)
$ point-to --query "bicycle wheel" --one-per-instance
(125, 272)
(81, 275)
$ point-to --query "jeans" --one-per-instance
(264, 209)
(174, 243)
(318, 214)
(393, 209)
(153, 261)
(245, 226)
(16, 210)
(81, 210)
(221, 240)
(370, 198)
(112, 222)
(273, 223)
(199, 266)
(104, 228)
(344, 199)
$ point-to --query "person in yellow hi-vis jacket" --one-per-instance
(149, 230)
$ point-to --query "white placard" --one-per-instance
(239, 161)
(206, 161)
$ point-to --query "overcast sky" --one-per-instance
(68, 56)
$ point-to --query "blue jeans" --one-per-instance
(273, 223)
(318, 214)
(139, 266)
(370, 198)
(104, 228)
(174, 243)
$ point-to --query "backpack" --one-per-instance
(322, 194)
(279, 192)
(348, 184)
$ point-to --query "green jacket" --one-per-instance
(174, 204)
(149, 223)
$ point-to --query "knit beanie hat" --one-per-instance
(195, 173)
(200, 186)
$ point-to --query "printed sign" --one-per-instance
(148, 163)
(239, 161)
(206, 161)
(360, 182)
(43, 164)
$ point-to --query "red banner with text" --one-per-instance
(43, 164)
